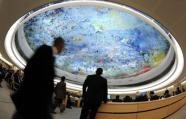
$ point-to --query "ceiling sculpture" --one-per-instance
(131, 47)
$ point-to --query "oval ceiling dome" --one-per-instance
(130, 46)
(120, 43)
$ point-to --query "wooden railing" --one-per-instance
(157, 109)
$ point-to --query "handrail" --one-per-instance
(141, 110)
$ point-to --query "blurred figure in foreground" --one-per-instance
(33, 100)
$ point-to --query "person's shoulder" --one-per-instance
(44, 46)
(90, 76)
(103, 78)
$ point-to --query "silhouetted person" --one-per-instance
(178, 91)
(127, 99)
(94, 92)
(166, 94)
(153, 96)
(117, 99)
(141, 97)
(60, 91)
(69, 102)
(33, 100)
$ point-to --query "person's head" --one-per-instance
(166, 91)
(151, 93)
(117, 96)
(63, 78)
(99, 71)
(137, 93)
(59, 44)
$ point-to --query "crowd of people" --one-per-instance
(11, 76)
(62, 98)
(147, 97)
(14, 77)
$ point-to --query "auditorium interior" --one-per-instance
(138, 43)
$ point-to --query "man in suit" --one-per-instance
(60, 91)
(94, 92)
(33, 99)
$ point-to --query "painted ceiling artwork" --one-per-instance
(121, 43)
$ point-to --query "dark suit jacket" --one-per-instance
(60, 90)
(36, 90)
(94, 90)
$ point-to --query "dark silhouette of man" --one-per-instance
(166, 94)
(153, 96)
(94, 92)
(178, 91)
(127, 99)
(60, 91)
(117, 99)
(33, 100)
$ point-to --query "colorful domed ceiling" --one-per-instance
(136, 52)
(121, 43)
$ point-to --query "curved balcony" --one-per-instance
(157, 109)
